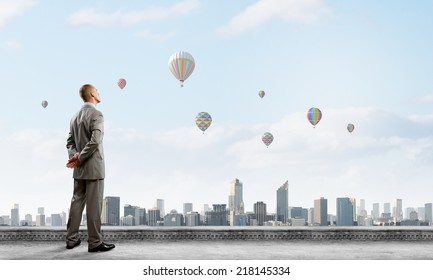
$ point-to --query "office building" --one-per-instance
(192, 219)
(260, 212)
(421, 213)
(56, 220)
(159, 204)
(397, 210)
(310, 216)
(387, 208)
(187, 207)
(173, 219)
(236, 202)
(283, 203)
(218, 216)
(28, 220)
(321, 212)
(344, 211)
(111, 211)
(428, 213)
(375, 213)
(154, 217)
(15, 216)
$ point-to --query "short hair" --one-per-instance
(85, 91)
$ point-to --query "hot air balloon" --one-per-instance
(44, 104)
(261, 93)
(121, 83)
(314, 115)
(203, 121)
(267, 138)
(181, 65)
(350, 127)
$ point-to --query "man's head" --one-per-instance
(90, 94)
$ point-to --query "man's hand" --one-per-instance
(73, 161)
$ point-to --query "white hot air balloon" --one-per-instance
(181, 65)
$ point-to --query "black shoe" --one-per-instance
(74, 245)
(102, 248)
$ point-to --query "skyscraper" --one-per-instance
(428, 213)
(154, 217)
(56, 220)
(387, 208)
(344, 211)
(260, 212)
(397, 210)
(159, 203)
(173, 219)
(111, 211)
(283, 202)
(218, 216)
(187, 207)
(236, 202)
(15, 216)
(40, 218)
(321, 212)
(375, 213)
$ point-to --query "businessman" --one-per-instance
(86, 157)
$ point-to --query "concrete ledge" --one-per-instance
(225, 233)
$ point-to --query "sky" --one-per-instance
(363, 62)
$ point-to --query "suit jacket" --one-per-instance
(85, 136)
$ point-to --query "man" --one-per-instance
(86, 157)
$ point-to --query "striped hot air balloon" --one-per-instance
(350, 127)
(44, 103)
(267, 138)
(203, 121)
(181, 65)
(314, 115)
(121, 83)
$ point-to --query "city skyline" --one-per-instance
(363, 63)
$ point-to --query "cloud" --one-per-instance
(428, 98)
(298, 11)
(10, 9)
(11, 44)
(91, 17)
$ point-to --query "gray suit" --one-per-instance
(85, 136)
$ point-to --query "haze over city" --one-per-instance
(365, 63)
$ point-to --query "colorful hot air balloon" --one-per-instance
(181, 65)
(44, 104)
(350, 127)
(121, 83)
(261, 93)
(314, 115)
(203, 121)
(267, 138)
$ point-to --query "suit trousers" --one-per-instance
(87, 193)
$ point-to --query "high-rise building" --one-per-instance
(192, 219)
(173, 219)
(310, 216)
(397, 210)
(375, 213)
(421, 213)
(218, 216)
(387, 209)
(29, 220)
(283, 203)
(154, 217)
(407, 212)
(344, 211)
(111, 211)
(187, 207)
(15, 216)
(159, 203)
(321, 212)
(354, 210)
(260, 212)
(56, 220)
(428, 213)
(40, 220)
(41, 211)
(236, 202)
